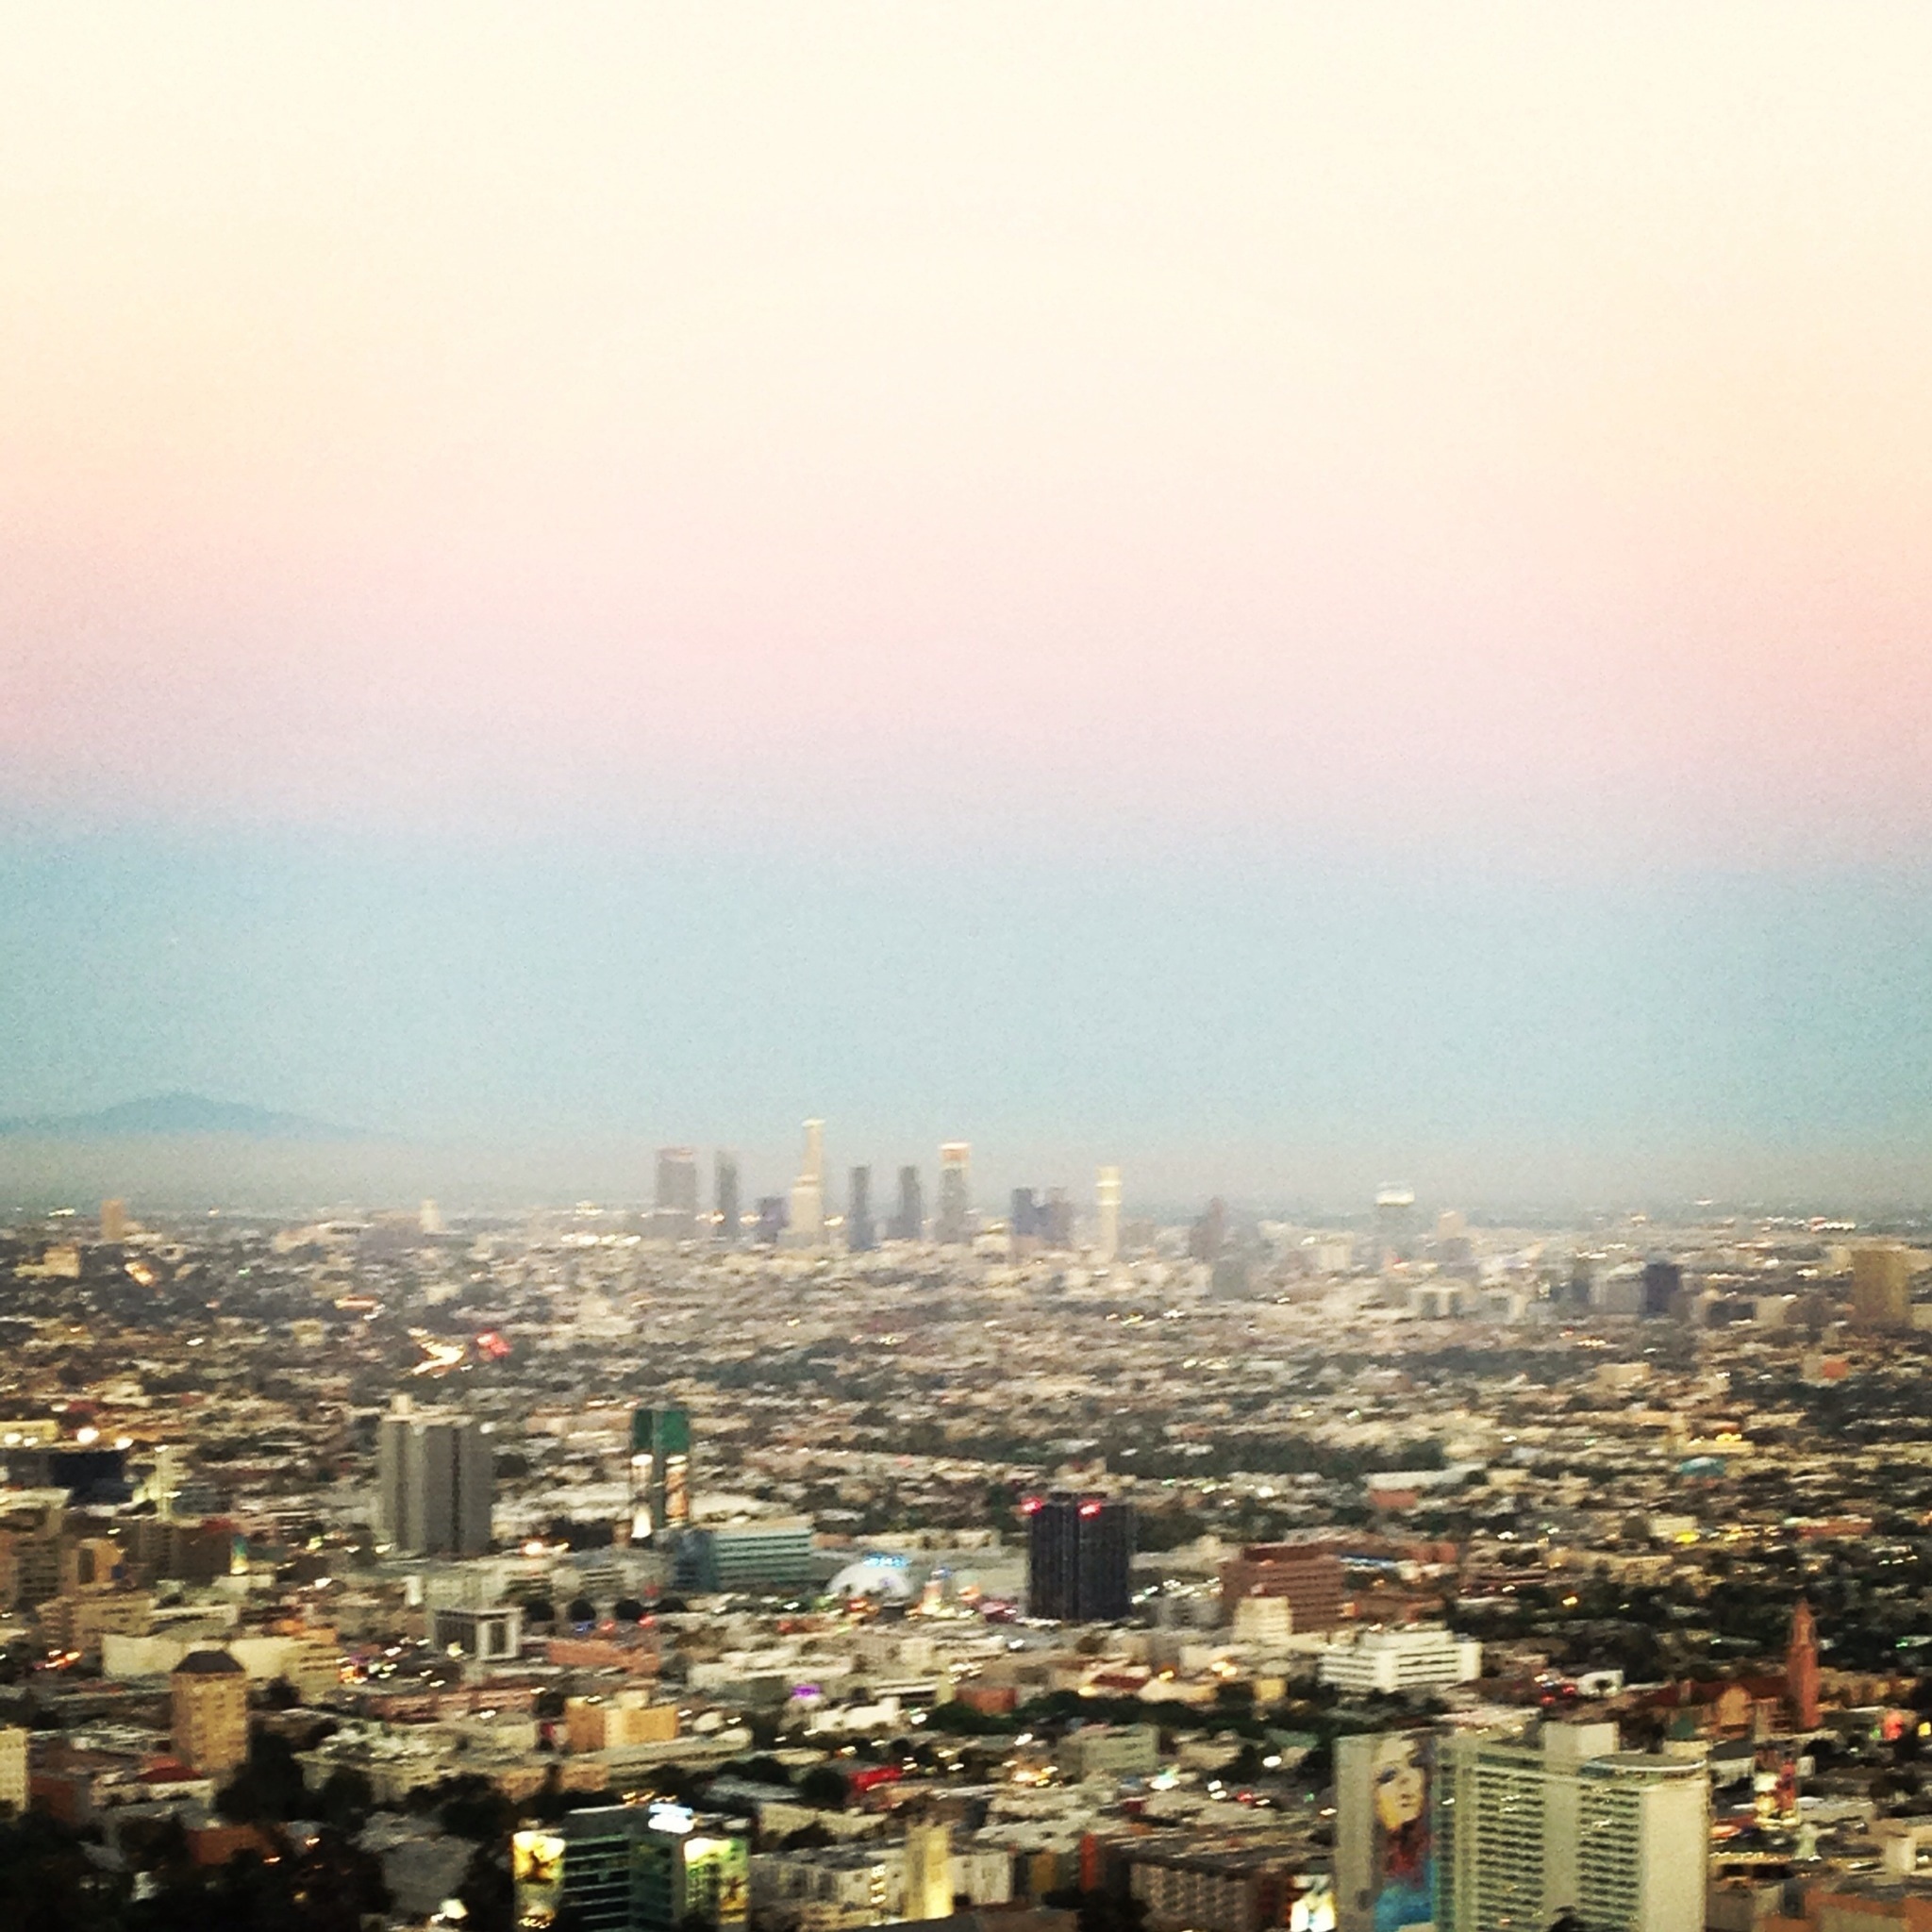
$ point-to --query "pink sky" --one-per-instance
(1400, 424)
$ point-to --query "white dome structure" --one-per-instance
(889, 1578)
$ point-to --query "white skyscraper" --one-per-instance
(434, 1481)
(165, 1483)
(954, 1225)
(808, 1222)
(1527, 1828)
(1107, 1190)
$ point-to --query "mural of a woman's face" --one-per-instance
(1401, 1784)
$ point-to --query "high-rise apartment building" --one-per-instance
(724, 1195)
(113, 1221)
(1107, 1233)
(909, 1225)
(859, 1234)
(434, 1482)
(1882, 1286)
(1527, 1828)
(674, 1216)
(1079, 1558)
(954, 1223)
(807, 1228)
(208, 1695)
(660, 1472)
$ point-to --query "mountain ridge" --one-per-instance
(178, 1115)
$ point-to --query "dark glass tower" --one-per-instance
(724, 1187)
(859, 1227)
(909, 1225)
(1081, 1558)
(660, 1472)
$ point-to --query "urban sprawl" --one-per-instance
(733, 1563)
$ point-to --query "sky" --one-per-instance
(1288, 596)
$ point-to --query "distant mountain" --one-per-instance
(176, 1116)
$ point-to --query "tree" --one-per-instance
(267, 1788)
(346, 1799)
(47, 1882)
(471, 1807)
(823, 1788)
(487, 1893)
(1101, 1911)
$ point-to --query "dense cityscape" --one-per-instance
(965, 967)
(808, 1563)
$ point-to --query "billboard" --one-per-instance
(536, 1859)
(1385, 1837)
(716, 1879)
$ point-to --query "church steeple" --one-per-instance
(1801, 1668)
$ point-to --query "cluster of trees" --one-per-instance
(50, 1882)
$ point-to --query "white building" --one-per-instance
(838, 1888)
(1529, 1827)
(1106, 1239)
(806, 1226)
(13, 1743)
(1412, 1657)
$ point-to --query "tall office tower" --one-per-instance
(434, 1482)
(1056, 1219)
(1582, 1289)
(724, 1195)
(1663, 1282)
(429, 1219)
(808, 1227)
(909, 1225)
(1022, 1222)
(1079, 1558)
(1208, 1234)
(113, 1221)
(952, 1224)
(1528, 1826)
(1882, 1286)
(1395, 1222)
(1107, 1238)
(208, 1694)
(771, 1228)
(859, 1234)
(659, 1472)
(674, 1216)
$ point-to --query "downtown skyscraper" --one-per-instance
(807, 1225)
